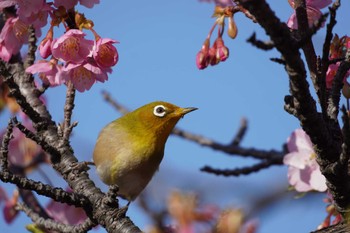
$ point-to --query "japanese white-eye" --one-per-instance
(129, 150)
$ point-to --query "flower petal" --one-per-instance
(298, 141)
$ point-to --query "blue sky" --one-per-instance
(158, 44)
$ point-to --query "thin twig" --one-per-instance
(242, 171)
(29, 134)
(264, 45)
(240, 133)
(57, 194)
(157, 216)
(325, 55)
(4, 150)
(345, 154)
(278, 60)
(43, 88)
(120, 108)
(31, 48)
(68, 111)
(228, 149)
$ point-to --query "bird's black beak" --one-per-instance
(184, 111)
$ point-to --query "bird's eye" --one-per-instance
(159, 111)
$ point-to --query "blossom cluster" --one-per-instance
(189, 217)
(313, 9)
(71, 57)
(60, 212)
(303, 170)
(338, 49)
(218, 52)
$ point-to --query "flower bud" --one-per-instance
(222, 51)
(212, 55)
(232, 28)
(45, 44)
(202, 58)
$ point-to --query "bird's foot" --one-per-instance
(122, 211)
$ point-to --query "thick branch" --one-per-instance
(339, 228)
(23, 89)
(308, 47)
(326, 136)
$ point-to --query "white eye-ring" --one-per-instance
(159, 111)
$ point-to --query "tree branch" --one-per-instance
(27, 96)
(245, 170)
(68, 111)
(326, 136)
(264, 45)
(337, 85)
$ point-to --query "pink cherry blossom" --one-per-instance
(83, 76)
(7, 3)
(49, 71)
(22, 151)
(104, 53)
(89, 3)
(38, 19)
(222, 3)
(45, 44)
(303, 171)
(313, 3)
(313, 12)
(65, 214)
(12, 37)
(45, 47)
(332, 70)
(66, 4)
(25, 7)
(338, 49)
(28, 7)
(72, 47)
(10, 212)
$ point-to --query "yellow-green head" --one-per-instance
(129, 150)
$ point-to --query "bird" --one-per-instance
(129, 150)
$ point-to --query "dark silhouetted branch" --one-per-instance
(264, 45)
(240, 133)
(243, 171)
(337, 85)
